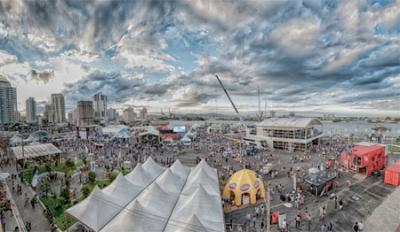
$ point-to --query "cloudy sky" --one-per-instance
(316, 56)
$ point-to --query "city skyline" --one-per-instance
(305, 56)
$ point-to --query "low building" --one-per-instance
(289, 134)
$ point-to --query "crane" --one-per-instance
(230, 99)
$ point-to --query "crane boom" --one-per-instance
(229, 97)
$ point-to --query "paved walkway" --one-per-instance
(28, 214)
(387, 216)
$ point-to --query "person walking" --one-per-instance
(360, 227)
(298, 221)
(355, 227)
(307, 217)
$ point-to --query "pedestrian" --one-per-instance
(257, 211)
(330, 227)
(323, 228)
(340, 204)
(298, 222)
(336, 202)
(307, 217)
(355, 227)
(254, 221)
(360, 226)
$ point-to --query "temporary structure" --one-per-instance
(365, 159)
(155, 201)
(34, 151)
(139, 176)
(244, 187)
(96, 210)
(152, 168)
(178, 169)
(392, 174)
(122, 190)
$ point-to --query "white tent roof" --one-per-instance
(139, 176)
(161, 205)
(111, 129)
(186, 139)
(152, 168)
(122, 190)
(198, 203)
(124, 134)
(170, 183)
(192, 224)
(178, 169)
(36, 150)
(96, 210)
(201, 178)
(135, 218)
(203, 166)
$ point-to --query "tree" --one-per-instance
(92, 177)
(112, 175)
(48, 167)
(65, 194)
(70, 164)
(45, 186)
(85, 191)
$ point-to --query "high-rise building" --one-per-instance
(58, 104)
(129, 115)
(70, 117)
(112, 114)
(48, 113)
(85, 113)
(8, 102)
(100, 107)
(30, 109)
(143, 113)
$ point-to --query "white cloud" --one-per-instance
(297, 35)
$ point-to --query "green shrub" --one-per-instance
(92, 177)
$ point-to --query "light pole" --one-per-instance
(268, 206)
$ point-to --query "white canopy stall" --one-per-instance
(155, 200)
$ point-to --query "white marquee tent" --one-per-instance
(34, 151)
(153, 198)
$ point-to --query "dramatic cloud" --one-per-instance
(44, 76)
(302, 55)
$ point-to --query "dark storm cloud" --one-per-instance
(44, 76)
(116, 87)
(295, 52)
(194, 98)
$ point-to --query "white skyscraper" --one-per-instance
(30, 109)
(8, 102)
(58, 104)
(100, 107)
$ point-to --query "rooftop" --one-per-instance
(290, 122)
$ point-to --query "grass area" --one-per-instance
(28, 173)
(394, 148)
(57, 209)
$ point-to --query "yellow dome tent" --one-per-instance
(244, 187)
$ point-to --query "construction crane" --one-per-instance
(230, 99)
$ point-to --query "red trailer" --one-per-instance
(392, 174)
(365, 159)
